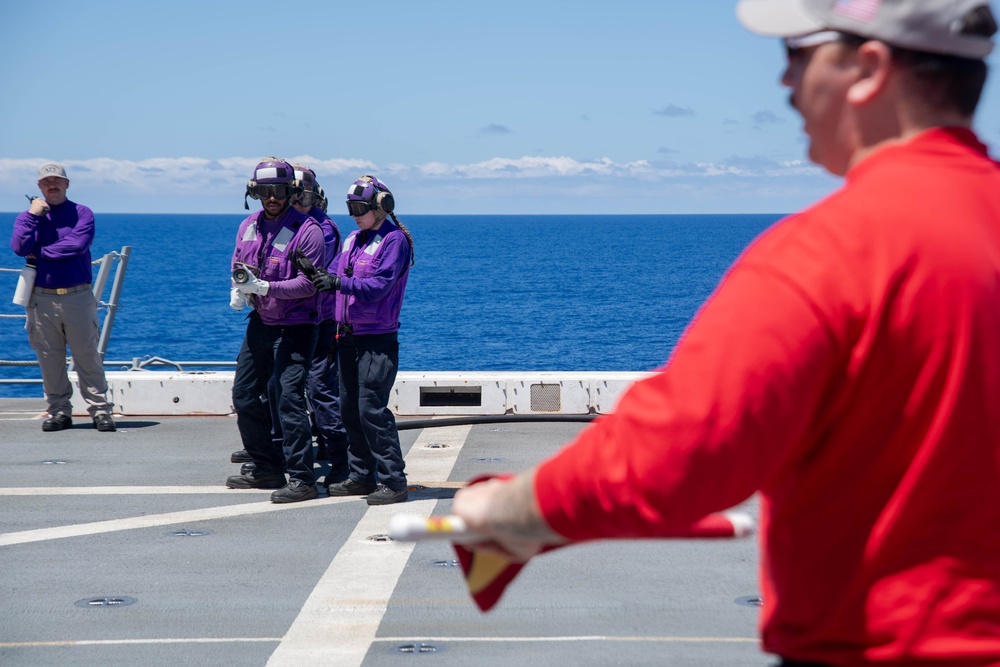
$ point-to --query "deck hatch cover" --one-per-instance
(108, 601)
(421, 647)
(750, 601)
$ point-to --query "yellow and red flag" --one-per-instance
(487, 573)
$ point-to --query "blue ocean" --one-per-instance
(487, 292)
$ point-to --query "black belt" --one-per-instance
(63, 290)
(344, 329)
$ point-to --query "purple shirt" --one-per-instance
(331, 242)
(371, 297)
(267, 246)
(60, 241)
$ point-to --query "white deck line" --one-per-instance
(153, 520)
(126, 642)
(389, 640)
(338, 623)
(126, 490)
(214, 489)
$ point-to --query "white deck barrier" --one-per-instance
(414, 393)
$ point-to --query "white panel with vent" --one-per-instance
(147, 392)
(448, 394)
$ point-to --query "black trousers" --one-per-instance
(323, 385)
(281, 353)
(368, 365)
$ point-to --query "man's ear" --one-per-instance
(874, 63)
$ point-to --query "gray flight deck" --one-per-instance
(126, 549)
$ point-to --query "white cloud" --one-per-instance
(565, 184)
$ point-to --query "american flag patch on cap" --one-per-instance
(859, 10)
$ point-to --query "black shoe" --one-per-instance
(337, 476)
(240, 457)
(104, 423)
(253, 481)
(247, 468)
(295, 492)
(383, 495)
(350, 488)
(57, 422)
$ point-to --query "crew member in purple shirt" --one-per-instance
(280, 336)
(370, 280)
(55, 233)
(322, 385)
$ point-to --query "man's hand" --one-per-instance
(506, 512)
(38, 207)
(254, 286)
(324, 282)
(237, 299)
(305, 265)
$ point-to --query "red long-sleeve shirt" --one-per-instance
(847, 368)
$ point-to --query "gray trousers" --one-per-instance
(55, 321)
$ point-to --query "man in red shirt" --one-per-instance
(847, 368)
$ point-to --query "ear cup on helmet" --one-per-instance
(251, 184)
(384, 201)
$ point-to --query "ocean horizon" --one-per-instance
(486, 293)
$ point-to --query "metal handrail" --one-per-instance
(114, 299)
(111, 306)
(136, 364)
(140, 364)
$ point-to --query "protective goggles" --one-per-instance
(357, 209)
(306, 198)
(266, 191)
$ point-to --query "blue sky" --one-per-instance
(461, 107)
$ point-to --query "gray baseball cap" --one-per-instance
(933, 26)
(52, 169)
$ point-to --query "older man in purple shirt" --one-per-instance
(55, 233)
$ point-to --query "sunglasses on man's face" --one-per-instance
(796, 46)
(265, 192)
(356, 209)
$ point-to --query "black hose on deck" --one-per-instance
(490, 419)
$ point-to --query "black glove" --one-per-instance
(304, 265)
(325, 282)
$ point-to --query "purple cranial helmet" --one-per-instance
(272, 177)
(312, 194)
(305, 175)
(369, 194)
(273, 170)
